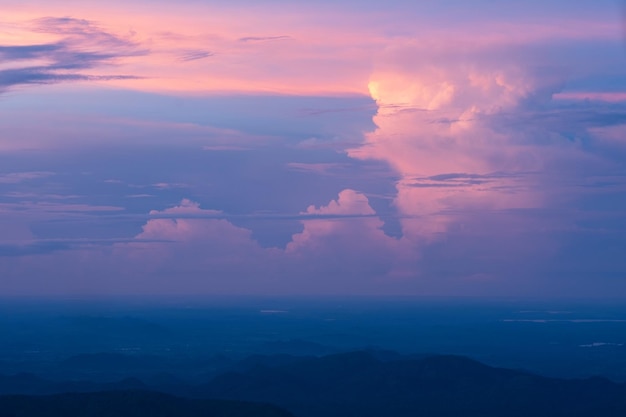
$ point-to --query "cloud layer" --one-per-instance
(313, 148)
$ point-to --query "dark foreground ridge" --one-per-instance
(360, 385)
(129, 404)
(356, 384)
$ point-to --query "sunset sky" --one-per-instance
(434, 147)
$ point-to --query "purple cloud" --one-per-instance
(83, 46)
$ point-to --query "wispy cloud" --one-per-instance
(47, 246)
(50, 207)
(82, 45)
(11, 53)
(17, 177)
(492, 180)
(323, 168)
(264, 38)
(33, 248)
(194, 55)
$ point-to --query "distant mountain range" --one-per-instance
(129, 404)
(369, 384)
(360, 385)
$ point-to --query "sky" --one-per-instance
(343, 147)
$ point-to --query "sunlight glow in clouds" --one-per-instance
(431, 130)
(294, 147)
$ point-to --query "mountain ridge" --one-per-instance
(371, 384)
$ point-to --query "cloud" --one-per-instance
(34, 248)
(18, 177)
(168, 185)
(140, 196)
(483, 143)
(81, 45)
(52, 207)
(347, 243)
(194, 55)
(185, 207)
(189, 222)
(183, 249)
(86, 33)
(466, 180)
(442, 126)
(320, 168)
(48, 75)
(50, 246)
(479, 142)
(264, 38)
(601, 96)
(15, 53)
(220, 148)
(200, 238)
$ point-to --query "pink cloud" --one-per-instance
(433, 129)
(212, 240)
(317, 232)
(438, 89)
(349, 202)
(336, 243)
(352, 247)
(290, 48)
(344, 250)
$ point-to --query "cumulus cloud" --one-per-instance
(346, 225)
(335, 219)
(487, 153)
(186, 206)
(344, 244)
(341, 249)
(449, 124)
(184, 239)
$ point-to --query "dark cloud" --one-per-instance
(46, 246)
(42, 75)
(84, 46)
(464, 179)
(567, 120)
(35, 248)
(13, 53)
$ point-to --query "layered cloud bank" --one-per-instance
(336, 148)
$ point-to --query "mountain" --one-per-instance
(129, 404)
(360, 385)
(113, 362)
(30, 384)
(356, 384)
